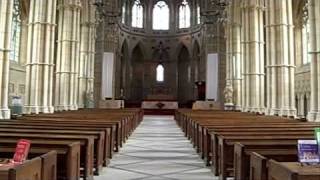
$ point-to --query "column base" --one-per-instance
(272, 111)
(245, 109)
(229, 106)
(46, 109)
(237, 108)
(314, 116)
(62, 108)
(288, 112)
(81, 106)
(74, 107)
(31, 110)
(258, 110)
(5, 114)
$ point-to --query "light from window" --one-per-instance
(161, 14)
(137, 14)
(124, 13)
(184, 15)
(160, 73)
(16, 32)
(198, 15)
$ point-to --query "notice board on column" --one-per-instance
(212, 87)
(107, 75)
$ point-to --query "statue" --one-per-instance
(89, 99)
(228, 96)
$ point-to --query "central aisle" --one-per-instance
(157, 150)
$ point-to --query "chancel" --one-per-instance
(159, 89)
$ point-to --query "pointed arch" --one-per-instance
(197, 60)
(137, 73)
(180, 46)
(141, 47)
(122, 69)
(185, 77)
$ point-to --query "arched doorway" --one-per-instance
(185, 79)
(137, 74)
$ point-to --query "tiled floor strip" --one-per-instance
(157, 150)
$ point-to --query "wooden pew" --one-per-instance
(110, 131)
(226, 148)
(276, 149)
(292, 171)
(29, 170)
(214, 134)
(86, 142)
(68, 154)
(209, 135)
(98, 140)
(259, 159)
(38, 168)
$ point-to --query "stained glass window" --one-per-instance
(123, 20)
(161, 16)
(184, 14)
(16, 31)
(137, 14)
(198, 15)
(160, 73)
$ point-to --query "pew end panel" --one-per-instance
(292, 171)
(258, 166)
(29, 170)
(49, 166)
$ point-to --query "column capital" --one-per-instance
(69, 6)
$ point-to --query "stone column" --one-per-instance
(314, 19)
(253, 56)
(87, 53)
(280, 59)
(66, 93)
(40, 53)
(6, 8)
(235, 52)
(301, 105)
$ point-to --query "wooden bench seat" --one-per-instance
(276, 149)
(68, 152)
(99, 141)
(108, 144)
(39, 168)
(215, 133)
(205, 140)
(86, 144)
(259, 159)
(226, 148)
(292, 171)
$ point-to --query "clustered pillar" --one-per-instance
(253, 56)
(280, 59)
(40, 56)
(234, 67)
(314, 18)
(6, 8)
(68, 55)
(87, 55)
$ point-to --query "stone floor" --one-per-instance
(157, 150)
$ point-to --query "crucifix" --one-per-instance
(161, 50)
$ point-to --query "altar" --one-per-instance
(160, 105)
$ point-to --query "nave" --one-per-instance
(157, 150)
